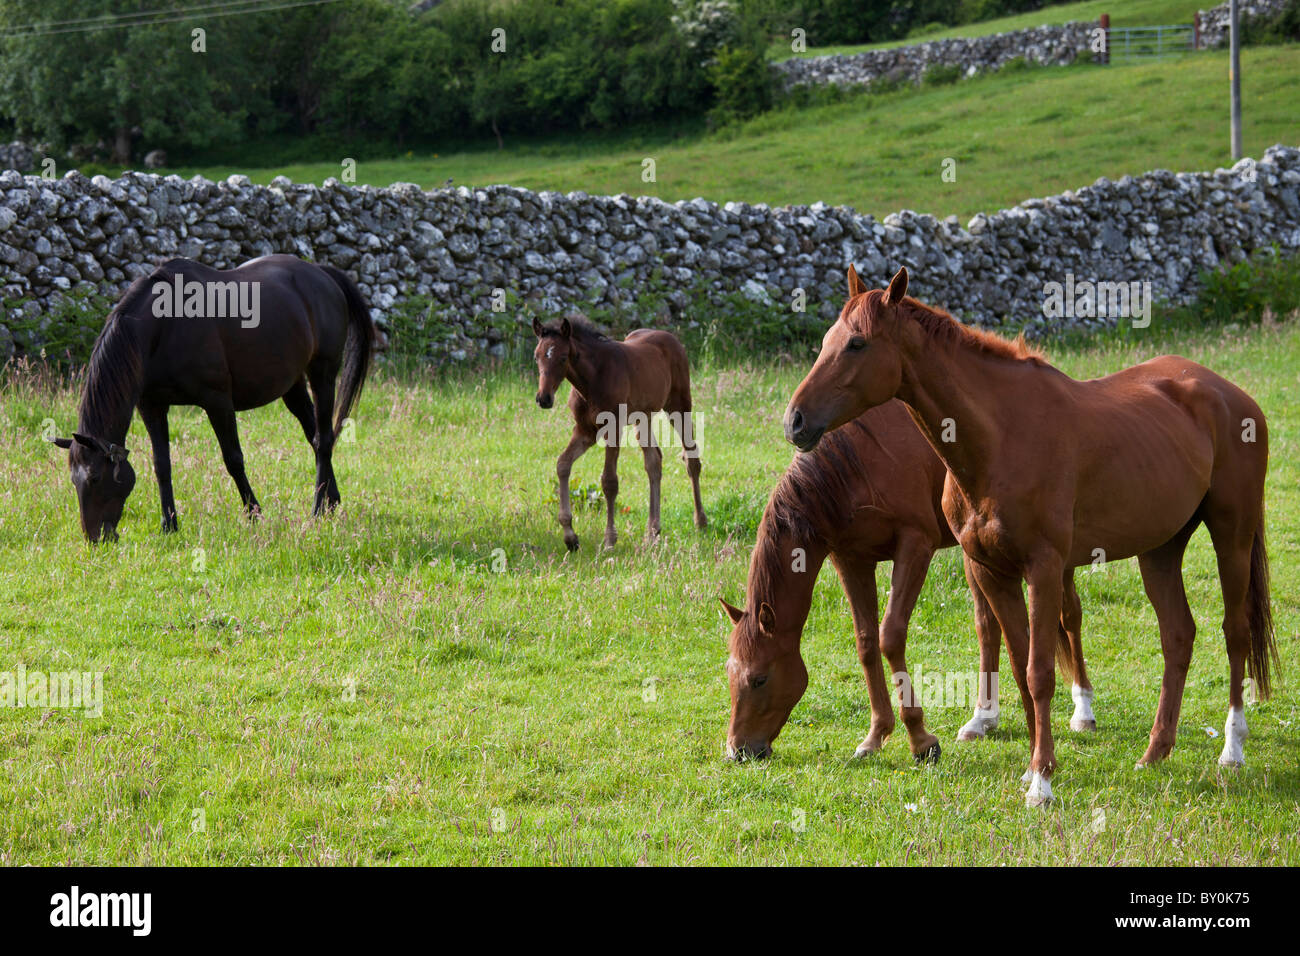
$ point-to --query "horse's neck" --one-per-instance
(114, 383)
(583, 372)
(963, 400)
(792, 565)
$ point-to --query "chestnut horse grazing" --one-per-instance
(617, 384)
(870, 492)
(1047, 473)
(224, 341)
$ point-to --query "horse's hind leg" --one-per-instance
(298, 401)
(654, 469)
(1162, 577)
(223, 423)
(582, 439)
(989, 634)
(322, 378)
(155, 422)
(684, 425)
(911, 562)
(609, 485)
(1072, 623)
(1232, 546)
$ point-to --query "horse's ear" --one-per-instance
(566, 329)
(897, 287)
(89, 441)
(766, 618)
(62, 442)
(537, 327)
(734, 613)
(856, 285)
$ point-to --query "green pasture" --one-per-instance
(428, 677)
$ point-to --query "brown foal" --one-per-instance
(615, 384)
(1047, 473)
(869, 492)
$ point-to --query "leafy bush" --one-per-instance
(940, 74)
(743, 84)
(1282, 28)
(1268, 281)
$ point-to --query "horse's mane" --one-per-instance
(115, 367)
(945, 331)
(811, 503)
(584, 331)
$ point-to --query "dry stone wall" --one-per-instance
(73, 236)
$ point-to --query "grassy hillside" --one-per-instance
(1129, 13)
(1014, 135)
(379, 688)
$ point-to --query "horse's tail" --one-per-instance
(1259, 612)
(1065, 655)
(359, 349)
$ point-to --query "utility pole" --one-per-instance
(1234, 74)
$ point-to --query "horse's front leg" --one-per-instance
(578, 445)
(223, 423)
(911, 562)
(1044, 579)
(155, 422)
(859, 580)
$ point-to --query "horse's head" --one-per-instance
(103, 479)
(552, 355)
(859, 366)
(767, 677)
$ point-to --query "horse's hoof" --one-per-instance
(930, 755)
(1040, 791)
(571, 542)
(1083, 726)
(701, 522)
(977, 728)
(610, 542)
(866, 749)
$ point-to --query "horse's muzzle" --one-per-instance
(750, 750)
(799, 432)
(545, 401)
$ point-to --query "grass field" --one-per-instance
(378, 688)
(1129, 13)
(1013, 135)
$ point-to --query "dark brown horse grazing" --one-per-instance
(226, 342)
(617, 384)
(869, 492)
(1047, 473)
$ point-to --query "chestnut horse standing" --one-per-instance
(869, 492)
(1046, 473)
(616, 384)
